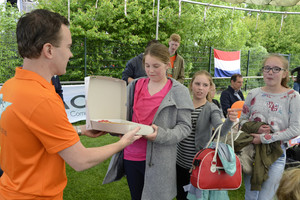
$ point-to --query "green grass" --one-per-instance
(87, 185)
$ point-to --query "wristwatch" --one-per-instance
(78, 130)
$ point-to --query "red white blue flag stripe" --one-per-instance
(227, 63)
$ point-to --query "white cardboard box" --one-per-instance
(106, 100)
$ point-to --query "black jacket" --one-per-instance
(297, 69)
(134, 68)
(228, 98)
(56, 82)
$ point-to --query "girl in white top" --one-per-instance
(278, 106)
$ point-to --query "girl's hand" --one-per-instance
(232, 114)
(256, 138)
(152, 136)
(91, 133)
(264, 129)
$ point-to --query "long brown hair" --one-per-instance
(159, 51)
(203, 72)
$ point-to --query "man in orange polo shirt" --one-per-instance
(177, 62)
(36, 136)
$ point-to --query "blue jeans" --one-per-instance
(296, 86)
(269, 187)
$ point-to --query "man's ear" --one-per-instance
(47, 50)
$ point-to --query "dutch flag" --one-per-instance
(227, 63)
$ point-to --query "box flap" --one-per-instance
(105, 98)
(120, 126)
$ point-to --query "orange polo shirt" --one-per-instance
(34, 127)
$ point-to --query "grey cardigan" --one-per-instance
(209, 117)
(173, 119)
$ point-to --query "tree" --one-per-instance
(108, 22)
(105, 37)
(9, 57)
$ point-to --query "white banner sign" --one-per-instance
(74, 98)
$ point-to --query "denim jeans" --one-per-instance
(269, 187)
(296, 86)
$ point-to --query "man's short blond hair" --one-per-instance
(175, 37)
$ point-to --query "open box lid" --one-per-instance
(105, 98)
(106, 101)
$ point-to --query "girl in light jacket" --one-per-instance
(278, 106)
(164, 103)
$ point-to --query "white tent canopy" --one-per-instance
(267, 2)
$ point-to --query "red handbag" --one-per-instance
(208, 172)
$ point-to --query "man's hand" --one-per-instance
(152, 136)
(129, 137)
(129, 80)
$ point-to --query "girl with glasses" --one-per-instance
(278, 106)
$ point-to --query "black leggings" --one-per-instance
(135, 173)
(183, 178)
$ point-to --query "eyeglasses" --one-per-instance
(274, 69)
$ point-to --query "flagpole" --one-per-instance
(157, 20)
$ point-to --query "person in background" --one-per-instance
(134, 67)
(289, 186)
(58, 88)
(296, 79)
(36, 135)
(164, 103)
(205, 117)
(213, 92)
(233, 93)
(176, 70)
(278, 106)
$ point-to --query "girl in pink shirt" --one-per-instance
(164, 104)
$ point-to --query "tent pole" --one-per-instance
(69, 10)
(157, 20)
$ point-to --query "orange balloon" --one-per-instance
(238, 104)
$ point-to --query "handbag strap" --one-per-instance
(217, 130)
(231, 134)
(213, 166)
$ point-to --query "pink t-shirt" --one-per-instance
(144, 109)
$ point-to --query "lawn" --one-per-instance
(87, 185)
